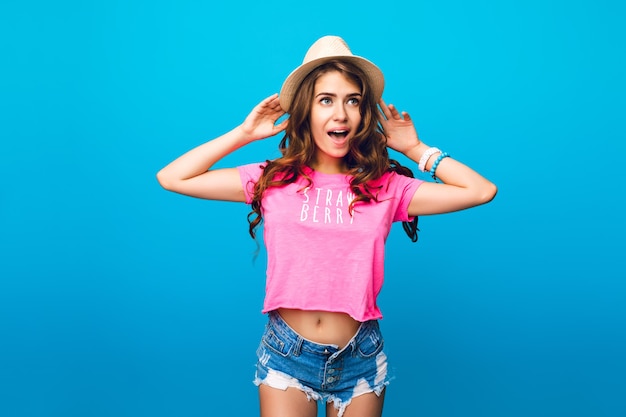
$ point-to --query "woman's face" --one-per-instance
(335, 118)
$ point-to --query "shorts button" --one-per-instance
(330, 379)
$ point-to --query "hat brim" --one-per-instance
(374, 75)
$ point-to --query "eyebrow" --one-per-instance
(335, 95)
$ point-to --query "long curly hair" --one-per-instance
(367, 159)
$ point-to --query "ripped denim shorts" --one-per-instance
(322, 372)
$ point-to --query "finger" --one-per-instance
(264, 105)
(384, 109)
(274, 101)
(281, 126)
(270, 102)
(271, 105)
(406, 116)
(394, 112)
(267, 100)
(278, 108)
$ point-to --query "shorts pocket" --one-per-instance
(272, 341)
(370, 345)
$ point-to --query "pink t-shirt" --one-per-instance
(319, 256)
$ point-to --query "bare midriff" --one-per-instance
(322, 327)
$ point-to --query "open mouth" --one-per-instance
(338, 134)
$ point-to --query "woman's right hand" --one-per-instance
(192, 174)
(261, 122)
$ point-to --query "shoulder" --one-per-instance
(395, 183)
(395, 178)
(252, 170)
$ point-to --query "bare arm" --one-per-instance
(462, 187)
(191, 173)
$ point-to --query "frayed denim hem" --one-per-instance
(281, 381)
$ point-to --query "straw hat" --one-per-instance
(323, 50)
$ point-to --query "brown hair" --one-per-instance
(367, 160)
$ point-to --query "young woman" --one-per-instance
(327, 205)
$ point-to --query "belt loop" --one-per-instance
(298, 346)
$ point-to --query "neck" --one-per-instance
(325, 169)
(336, 166)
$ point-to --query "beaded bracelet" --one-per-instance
(436, 164)
(425, 157)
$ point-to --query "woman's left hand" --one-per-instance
(399, 128)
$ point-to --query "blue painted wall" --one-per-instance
(120, 299)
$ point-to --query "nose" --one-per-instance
(340, 112)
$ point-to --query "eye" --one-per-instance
(325, 101)
(354, 101)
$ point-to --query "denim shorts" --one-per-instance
(322, 372)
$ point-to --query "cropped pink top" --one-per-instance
(319, 256)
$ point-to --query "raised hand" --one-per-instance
(399, 128)
(261, 122)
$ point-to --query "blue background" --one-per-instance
(118, 298)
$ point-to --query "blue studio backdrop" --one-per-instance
(120, 299)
